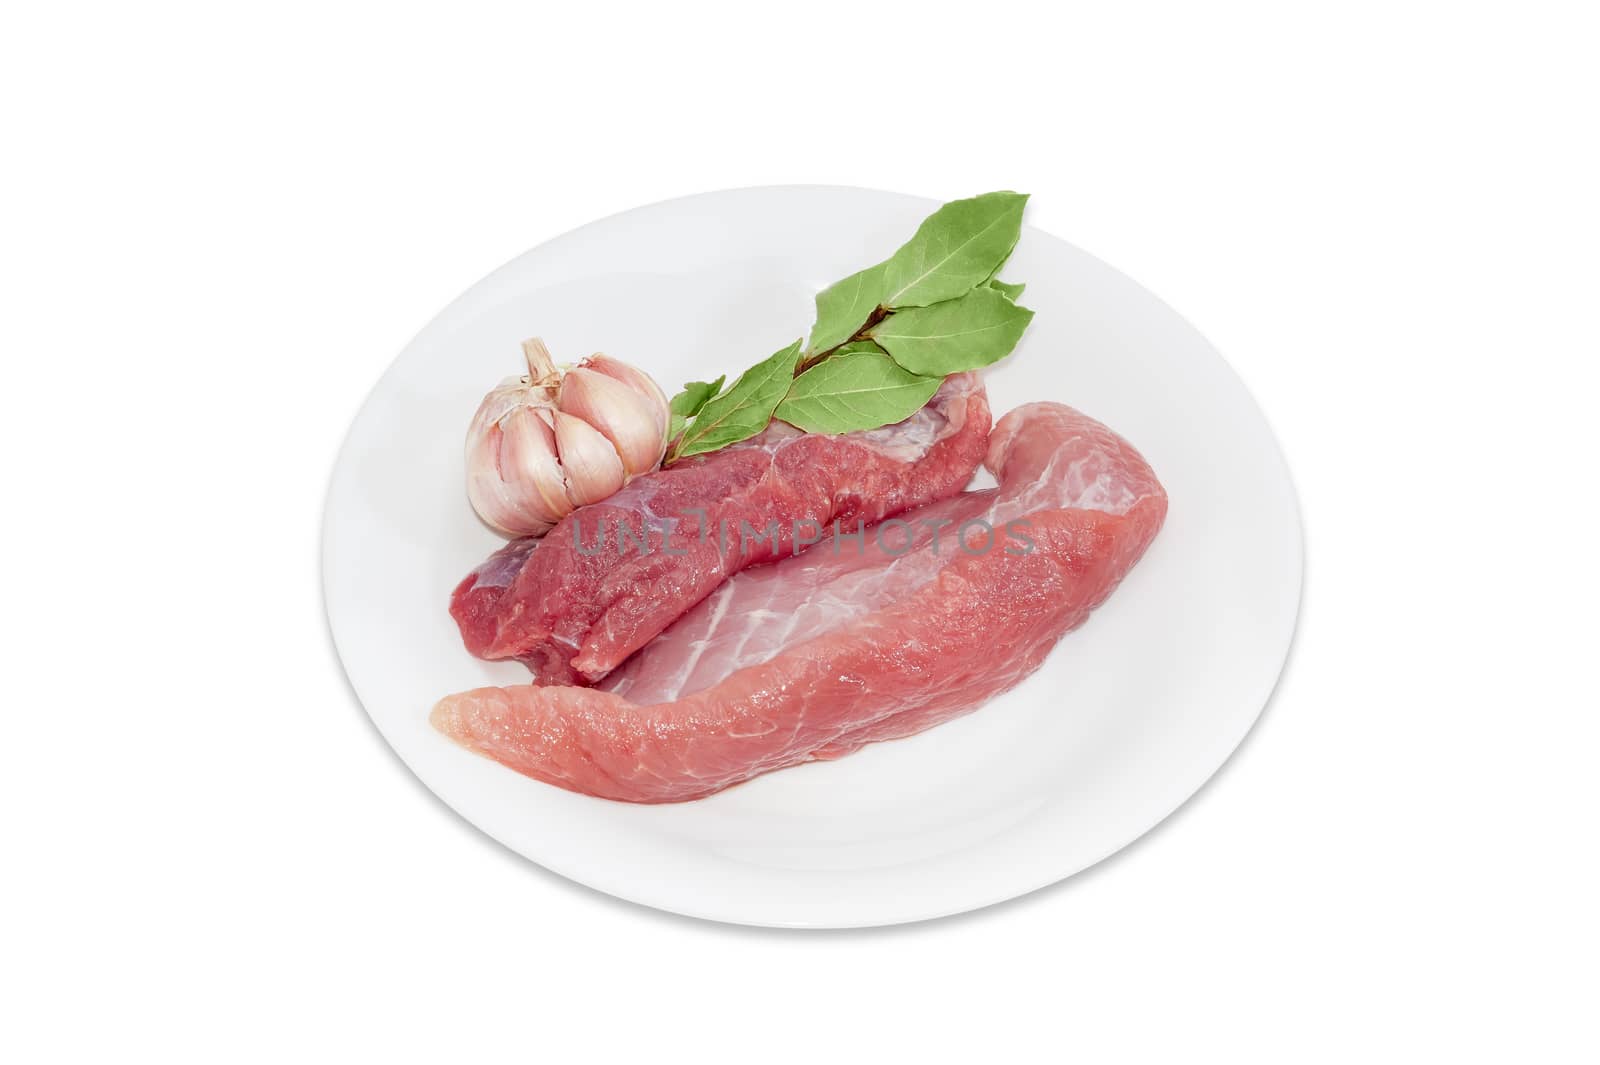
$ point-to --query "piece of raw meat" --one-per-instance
(850, 642)
(612, 576)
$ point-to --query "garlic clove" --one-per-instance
(531, 470)
(622, 415)
(593, 468)
(635, 379)
(497, 503)
(484, 487)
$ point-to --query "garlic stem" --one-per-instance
(541, 367)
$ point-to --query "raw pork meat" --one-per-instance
(851, 641)
(613, 575)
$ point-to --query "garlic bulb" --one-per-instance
(558, 439)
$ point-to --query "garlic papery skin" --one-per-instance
(561, 438)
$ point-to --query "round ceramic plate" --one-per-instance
(1125, 720)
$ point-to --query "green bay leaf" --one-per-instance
(856, 347)
(956, 248)
(846, 393)
(687, 404)
(961, 334)
(1004, 258)
(844, 307)
(744, 409)
(694, 396)
(1006, 289)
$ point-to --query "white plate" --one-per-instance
(1126, 719)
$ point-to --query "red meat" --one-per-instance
(850, 642)
(612, 576)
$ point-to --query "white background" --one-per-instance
(219, 225)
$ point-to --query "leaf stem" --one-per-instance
(861, 334)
